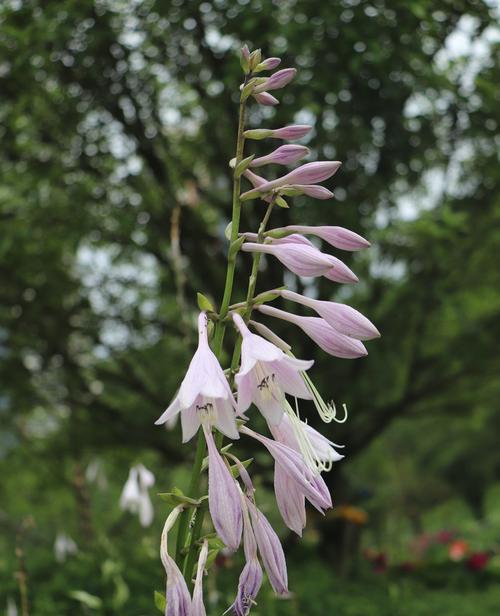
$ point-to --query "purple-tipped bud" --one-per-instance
(251, 577)
(264, 98)
(270, 550)
(296, 131)
(340, 272)
(310, 173)
(311, 190)
(245, 52)
(277, 80)
(298, 258)
(269, 64)
(284, 155)
(341, 317)
(327, 338)
(178, 597)
(223, 497)
(335, 236)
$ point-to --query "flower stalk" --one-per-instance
(264, 372)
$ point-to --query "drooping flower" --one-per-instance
(295, 467)
(284, 155)
(64, 546)
(270, 550)
(341, 317)
(266, 374)
(204, 395)
(250, 579)
(178, 598)
(135, 495)
(290, 500)
(223, 496)
(300, 259)
(327, 338)
(197, 605)
(345, 239)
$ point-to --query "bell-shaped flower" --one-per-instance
(300, 259)
(223, 496)
(64, 546)
(251, 576)
(345, 239)
(266, 374)
(178, 597)
(327, 338)
(135, 496)
(197, 605)
(341, 317)
(204, 395)
(270, 550)
(284, 155)
(318, 451)
(293, 464)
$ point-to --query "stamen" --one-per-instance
(207, 412)
(327, 412)
(311, 457)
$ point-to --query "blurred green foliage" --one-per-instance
(117, 124)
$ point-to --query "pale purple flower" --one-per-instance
(276, 80)
(135, 497)
(310, 173)
(323, 448)
(204, 395)
(335, 236)
(290, 500)
(178, 598)
(251, 577)
(300, 259)
(295, 131)
(269, 64)
(294, 466)
(266, 374)
(341, 317)
(270, 549)
(284, 155)
(264, 98)
(327, 338)
(223, 496)
(197, 605)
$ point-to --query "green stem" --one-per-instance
(193, 489)
(252, 283)
(235, 227)
(218, 339)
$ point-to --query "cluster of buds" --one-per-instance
(268, 373)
